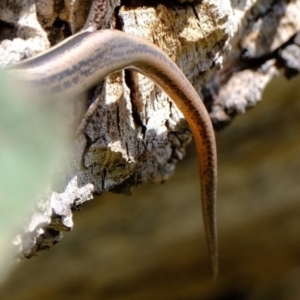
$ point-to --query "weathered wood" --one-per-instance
(151, 245)
(227, 49)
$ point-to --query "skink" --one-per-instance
(83, 60)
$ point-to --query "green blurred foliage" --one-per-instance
(32, 139)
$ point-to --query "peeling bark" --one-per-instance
(229, 50)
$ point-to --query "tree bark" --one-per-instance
(229, 50)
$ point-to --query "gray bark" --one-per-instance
(229, 50)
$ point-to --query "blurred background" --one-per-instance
(152, 245)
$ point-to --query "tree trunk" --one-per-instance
(229, 50)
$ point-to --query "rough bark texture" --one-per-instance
(229, 50)
(151, 245)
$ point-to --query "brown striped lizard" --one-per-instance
(84, 59)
